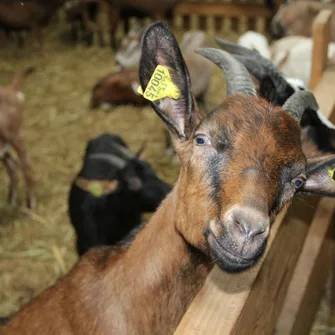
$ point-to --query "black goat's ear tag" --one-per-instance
(97, 188)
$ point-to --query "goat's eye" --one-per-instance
(201, 140)
(298, 182)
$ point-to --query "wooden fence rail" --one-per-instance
(221, 16)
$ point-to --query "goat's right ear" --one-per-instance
(159, 47)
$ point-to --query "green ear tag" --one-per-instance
(160, 86)
(331, 174)
(95, 188)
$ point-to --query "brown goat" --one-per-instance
(200, 68)
(11, 134)
(240, 165)
(297, 18)
(28, 15)
(117, 88)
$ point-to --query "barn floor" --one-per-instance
(37, 248)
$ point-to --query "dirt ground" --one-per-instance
(37, 248)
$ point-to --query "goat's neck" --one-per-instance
(169, 273)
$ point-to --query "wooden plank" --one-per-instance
(325, 93)
(222, 9)
(240, 303)
(310, 276)
(321, 39)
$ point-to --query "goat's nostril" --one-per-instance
(250, 226)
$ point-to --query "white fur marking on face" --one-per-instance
(20, 96)
(134, 86)
(296, 83)
(106, 106)
(324, 120)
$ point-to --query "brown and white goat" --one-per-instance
(296, 18)
(11, 134)
(120, 87)
(116, 88)
(200, 68)
(240, 165)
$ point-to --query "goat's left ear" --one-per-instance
(267, 89)
(160, 47)
(321, 176)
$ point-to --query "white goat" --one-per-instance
(255, 41)
(291, 54)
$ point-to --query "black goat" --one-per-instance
(111, 192)
(318, 134)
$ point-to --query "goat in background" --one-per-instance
(11, 134)
(111, 192)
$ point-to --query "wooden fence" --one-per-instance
(282, 293)
(223, 16)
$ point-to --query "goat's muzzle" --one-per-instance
(238, 240)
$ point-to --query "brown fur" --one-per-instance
(297, 18)
(145, 288)
(11, 133)
(116, 88)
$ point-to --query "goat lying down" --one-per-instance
(219, 212)
(318, 133)
(11, 135)
(111, 192)
(117, 88)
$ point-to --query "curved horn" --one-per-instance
(237, 77)
(236, 48)
(299, 102)
(124, 152)
(111, 159)
(255, 63)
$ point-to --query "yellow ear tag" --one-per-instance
(331, 174)
(160, 86)
(95, 188)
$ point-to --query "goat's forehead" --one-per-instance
(253, 120)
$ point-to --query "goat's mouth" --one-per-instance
(228, 261)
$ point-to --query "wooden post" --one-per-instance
(321, 39)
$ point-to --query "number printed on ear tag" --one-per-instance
(160, 86)
(331, 174)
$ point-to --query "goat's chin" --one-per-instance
(229, 262)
